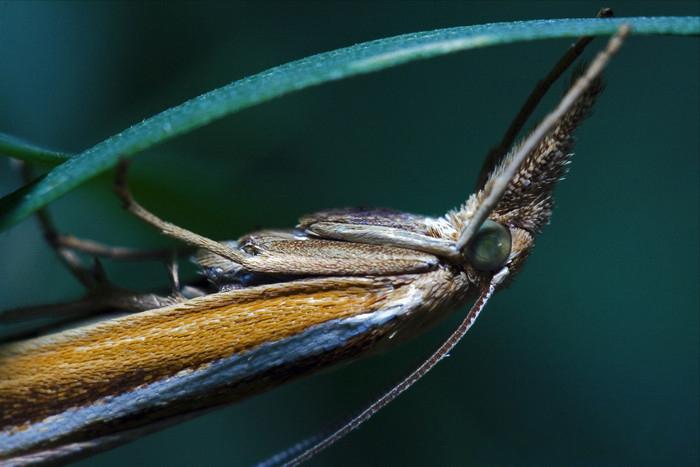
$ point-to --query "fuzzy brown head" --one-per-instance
(526, 205)
(528, 200)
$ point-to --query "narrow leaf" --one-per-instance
(20, 149)
(329, 66)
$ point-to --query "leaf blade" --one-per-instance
(310, 71)
(29, 152)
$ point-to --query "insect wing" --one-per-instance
(98, 380)
(384, 227)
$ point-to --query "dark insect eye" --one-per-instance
(490, 247)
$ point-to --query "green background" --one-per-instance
(590, 358)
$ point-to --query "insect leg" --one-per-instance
(118, 253)
(86, 276)
(66, 246)
(101, 296)
(178, 291)
(91, 304)
(167, 228)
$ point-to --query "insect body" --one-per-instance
(285, 303)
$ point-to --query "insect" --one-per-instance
(286, 303)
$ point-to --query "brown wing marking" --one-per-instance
(46, 375)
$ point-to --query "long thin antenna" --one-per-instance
(308, 448)
(494, 191)
(572, 53)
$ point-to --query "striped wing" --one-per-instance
(75, 391)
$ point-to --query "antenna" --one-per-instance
(308, 448)
(494, 191)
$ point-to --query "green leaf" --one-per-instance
(19, 149)
(329, 66)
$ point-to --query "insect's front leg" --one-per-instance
(101, 295)
(198, 241)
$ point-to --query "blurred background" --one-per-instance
(590, 358)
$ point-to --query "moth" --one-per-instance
(282, 303)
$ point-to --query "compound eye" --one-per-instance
(490, 247)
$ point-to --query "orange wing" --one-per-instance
(142, 368)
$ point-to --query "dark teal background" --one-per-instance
(590, 358)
